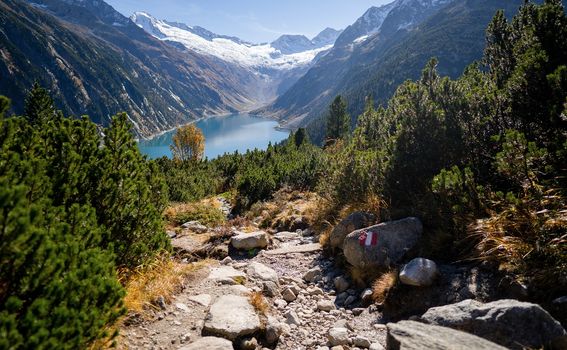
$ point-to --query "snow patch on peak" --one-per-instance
(288, 52)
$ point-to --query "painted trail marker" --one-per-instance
(368, 239)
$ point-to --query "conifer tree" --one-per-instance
(338, 121)
(38, 105)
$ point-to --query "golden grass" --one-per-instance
(383, 285)
(285, 206)
(164, 277)
(207, 212)
(259, 302)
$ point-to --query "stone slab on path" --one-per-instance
(411, 335)
(304, 248)
(230, 317)
(209, 343)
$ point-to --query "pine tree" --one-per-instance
(38, 105)
(300, 137)
(338, 121)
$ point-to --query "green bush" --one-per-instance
(75, 204)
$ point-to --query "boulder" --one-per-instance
(247, 241)
(507, 322)
(419, 272)
(209, 343)
(230, 317)
(383, 244)
(354, 221)
(411, 335)
(195, 226)
(262, 273)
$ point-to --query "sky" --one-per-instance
(254, 20)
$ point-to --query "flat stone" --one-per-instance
(303, 248)
(230, 317)
(209, 343)
(411, 335)
(262, 273)
(182, 307)
(202, 299)
(226, 274)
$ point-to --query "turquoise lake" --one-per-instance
(237, 132)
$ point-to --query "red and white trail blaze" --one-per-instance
(368, 239)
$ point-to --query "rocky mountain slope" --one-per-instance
(386, 46)
(98, 62)
(271, 67)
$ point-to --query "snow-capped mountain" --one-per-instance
(286, 53)
(359, 46)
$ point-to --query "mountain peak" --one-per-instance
(328, 36)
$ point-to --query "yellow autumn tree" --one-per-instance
(188, 143)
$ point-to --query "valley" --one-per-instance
(241, 176)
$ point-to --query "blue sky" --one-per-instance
(254, 20)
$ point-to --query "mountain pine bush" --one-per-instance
(76, 203)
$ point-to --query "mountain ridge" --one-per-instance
(102, 65)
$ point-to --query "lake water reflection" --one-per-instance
(237, 132)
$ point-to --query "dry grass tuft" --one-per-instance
(164, 277)
(383, 285)
(528, 239)
(207, 212)
(285, 206)
(259, 302)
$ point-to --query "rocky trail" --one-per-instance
(300, 286)
(279, 290)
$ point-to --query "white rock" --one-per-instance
(230, 317)
(247, 241)
(195, 226)
(325, 305)
(209, 343)
(262, 273)
(338, 336)
(419, 272)
(226, 274)
(203, 299)
(376, 346)
(182, 307)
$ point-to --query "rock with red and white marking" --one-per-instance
(383, 244)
